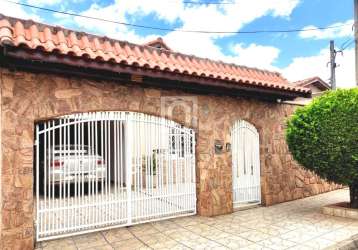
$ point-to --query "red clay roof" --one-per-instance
(37, 36)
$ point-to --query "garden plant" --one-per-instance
(323, 138)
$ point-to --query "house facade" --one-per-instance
(52, 79)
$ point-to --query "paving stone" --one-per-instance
(276, 243)
(234, 242)
(319, 243)
(301, 247)
(176, 247)
(60, 244)
(256, 247)
(294, 225)
(143, 229)
(202, 243)
(204, 230)
(299, 235)
(117, 235)
(165, 225)
(89, 240)
(101, 247)
(339, 235)
(187, 221)
(71, 247)
(181, 234)
(254, 236)
(273, 230)
(131, 244)
(158, 240)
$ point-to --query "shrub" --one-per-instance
(323, 137)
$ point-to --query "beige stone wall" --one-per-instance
(27, 98)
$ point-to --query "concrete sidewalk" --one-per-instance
(292, 225)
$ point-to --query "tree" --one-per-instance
(323, 138)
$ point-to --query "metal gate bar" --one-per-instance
(245, 164)
(101, 170)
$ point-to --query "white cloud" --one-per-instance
(196, 44)
(256, 55)
(43, 2)
(305, 67)
(165, 10)
(284, 8)
(343, 29)
(116, 12)
(232, 17)
(14, 10)
(191, 17)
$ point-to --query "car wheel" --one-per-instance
(99, 186)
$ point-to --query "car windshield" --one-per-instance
(69, 150)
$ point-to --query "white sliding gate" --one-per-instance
(245, 164)
(108, 169)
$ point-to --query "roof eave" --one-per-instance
(26, 54)
(313, 80)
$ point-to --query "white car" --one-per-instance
(72, 164)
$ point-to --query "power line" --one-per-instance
(345, 42)
(172, 29)
(348, 44)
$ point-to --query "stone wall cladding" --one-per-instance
(28, 97)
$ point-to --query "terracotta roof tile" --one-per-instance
(34, 35)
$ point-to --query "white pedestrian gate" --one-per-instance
(245, 164)
(101, 170)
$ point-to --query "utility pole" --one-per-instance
(332, 64)
(356, 37)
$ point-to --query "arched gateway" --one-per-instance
(245, 164)
(109, 169)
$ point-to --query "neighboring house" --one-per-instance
(315, 84)
(159, 44)
(98, 133)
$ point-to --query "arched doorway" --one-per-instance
(101, 170)
(245, 164)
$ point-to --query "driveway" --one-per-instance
(292, 225)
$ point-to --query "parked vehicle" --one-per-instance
(70, 165)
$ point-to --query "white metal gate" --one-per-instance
(245, 164)
(100, 170)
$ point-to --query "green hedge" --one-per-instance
(323, 136)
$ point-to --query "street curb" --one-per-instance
(348, 244)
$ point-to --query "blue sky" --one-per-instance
(295, 55)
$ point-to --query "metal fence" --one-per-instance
(100, 170)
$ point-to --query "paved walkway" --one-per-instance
(291, 225)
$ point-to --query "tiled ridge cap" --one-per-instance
(35, 35)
